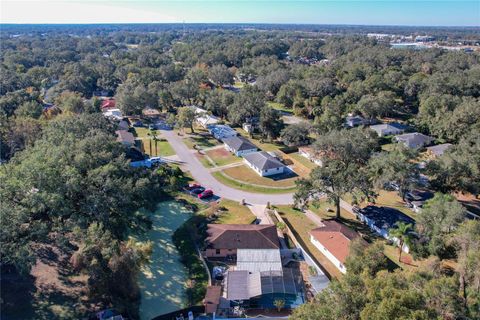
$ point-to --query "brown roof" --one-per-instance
(212, 298)
(242, 236)
(335, 237)
(125, 136)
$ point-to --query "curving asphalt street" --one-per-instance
(204, 177)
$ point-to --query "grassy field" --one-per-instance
(301, 227)
(279, 106)
(222, 157)
(265, 146)
(235, 214)
(204, 161)
(200, 141)
(242, 186)
(245, 174)
(164, 149)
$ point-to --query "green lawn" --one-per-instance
(164, 149)
(235, 214)
(204, 161)
(388, 147)
(222, 157)
(245, 174)
(238, 84)
(242, 186)
(201, 141)
(264, 146)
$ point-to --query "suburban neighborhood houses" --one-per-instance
(228, 171)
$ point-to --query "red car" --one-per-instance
(205, 194)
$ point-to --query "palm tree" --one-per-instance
(402, 233)
(150, 141)
(154, 133)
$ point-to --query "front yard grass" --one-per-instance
(245, 174)
(235, 213)
(222, 157)
(247, 187)
(279, 107)
(164, 149)
(200, 141)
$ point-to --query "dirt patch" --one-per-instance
(51, 291)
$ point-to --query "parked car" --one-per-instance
(205, 194)
(192, 186)
(198, 190)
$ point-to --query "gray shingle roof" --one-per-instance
(439, 149)
(263, 161)
(414, 138)
(239, 143)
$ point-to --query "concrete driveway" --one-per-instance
(203, 176)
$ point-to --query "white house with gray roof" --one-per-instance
(264, 163)
(414, 140)
(239, 145)
(387, 129)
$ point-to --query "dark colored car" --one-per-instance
(197, 190)
(205, 194)
(192, 186)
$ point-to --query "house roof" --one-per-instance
(385, 217)
(391, 125)
(239, 143)
(263, 160)
(414, 138)
(335, 237)
(212, 298)
(125, 136)
(257, 260)
(108, 104)
(242, 236)
(439, 149)
(242, 285)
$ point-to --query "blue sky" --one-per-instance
(384, 12)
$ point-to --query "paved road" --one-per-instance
(204, 176)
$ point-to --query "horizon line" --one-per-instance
(235, 23)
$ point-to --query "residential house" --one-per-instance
(239, 145)
(221, 131)
(438, 150)
(333, 241)
(387, 129)
(414, 140)
(264, 163)
(204, 119)
(310, 154)
(125, 137)
(382, 219)
(108, 104)
(113, 113)
(123, 125)
(225, 239)
(249, 127)
(151, 112)
(416, 199)
(355, 121)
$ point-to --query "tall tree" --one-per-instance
(186, 117)
(270, 123)
(395, 166)
(344, 155)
